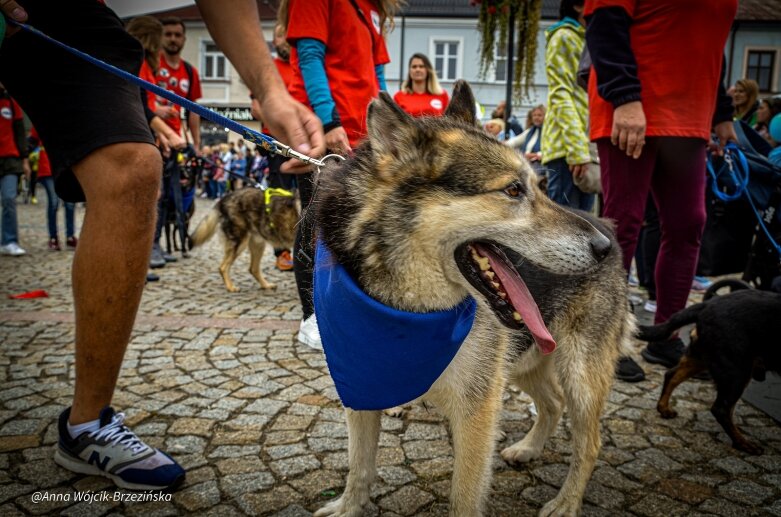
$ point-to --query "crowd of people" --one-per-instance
(650, 143)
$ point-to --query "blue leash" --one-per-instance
(738, 170)
(268, 143)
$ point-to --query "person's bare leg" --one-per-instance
(121, 183)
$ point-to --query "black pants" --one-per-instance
(170, 199)
(648, 248)
(304, 249)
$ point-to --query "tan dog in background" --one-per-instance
(249, 217)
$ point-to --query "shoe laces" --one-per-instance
(116, 433)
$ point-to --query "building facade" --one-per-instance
(446, 31)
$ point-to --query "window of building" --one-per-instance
(760, 66)
(447, 58)
(500, 63)
(214, 63)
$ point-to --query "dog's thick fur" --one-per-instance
(736, 337)
(396, 217)
(244, 221)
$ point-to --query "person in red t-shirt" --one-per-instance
(13, 163)
(40, 157)
(338, 53)
(178, 76)
(651, 123)
(149, 32)
(420, 93)
(277, 178)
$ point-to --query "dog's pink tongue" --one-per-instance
(522, 301)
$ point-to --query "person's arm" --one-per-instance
(722, 114)
(562, 58)
(20, 138)
(194, 122)
(607, 36)
(379, 71)
(311, 62)
(238, 33)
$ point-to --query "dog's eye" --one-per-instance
(514, 189)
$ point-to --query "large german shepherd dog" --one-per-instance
(432, 210)
(246, 220)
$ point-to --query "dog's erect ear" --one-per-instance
(462, 105)
(390, 129)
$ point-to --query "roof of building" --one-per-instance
(759, 11)
(767, 11)
(463, 9)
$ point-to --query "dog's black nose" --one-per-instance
(600, 246)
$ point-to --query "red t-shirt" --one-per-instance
(9, 112)
(422, 104)
(286, 72)
(354, 45)
(44, 165)
(678, 46)
(176, 80)
(147, 75)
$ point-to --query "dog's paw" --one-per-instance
(667, 413)
(233, 289)
(395, 412)
(340, 508)
(519, 453)
(748, 447)
(500, 435)
(561, 507)
(269, 286)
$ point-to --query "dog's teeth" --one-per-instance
(517, 316)
(490, 275)
(496, 285)
(484, 263)
(502, 295)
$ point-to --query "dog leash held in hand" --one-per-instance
(269, 144)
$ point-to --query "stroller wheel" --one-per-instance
(729, 284)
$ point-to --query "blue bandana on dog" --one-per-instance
(380, 357)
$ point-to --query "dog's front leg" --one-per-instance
(363, 431)
(474, 437)
(585, 391)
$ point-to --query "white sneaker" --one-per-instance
(650, 306)
(12, 249)
(309, 333)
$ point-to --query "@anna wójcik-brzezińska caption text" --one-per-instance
(90, 497)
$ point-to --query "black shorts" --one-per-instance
(75, 106)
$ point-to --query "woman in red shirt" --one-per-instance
(337, 53)
(420, 93)
(655, 95)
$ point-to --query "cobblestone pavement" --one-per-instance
(218, 381)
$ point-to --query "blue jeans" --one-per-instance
(562, 190)
(51, 210)
(8, 189)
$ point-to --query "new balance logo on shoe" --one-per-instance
(95, 459)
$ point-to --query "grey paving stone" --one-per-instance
(746, 492)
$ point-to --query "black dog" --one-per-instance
(737, 337)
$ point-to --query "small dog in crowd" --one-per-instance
(432, 210)
(736, 337)
(249, 217)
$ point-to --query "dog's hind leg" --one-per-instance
(363, 428)
(232, 250)
(541, 385)
(687, 367)
(256, 248)
(728, 392)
